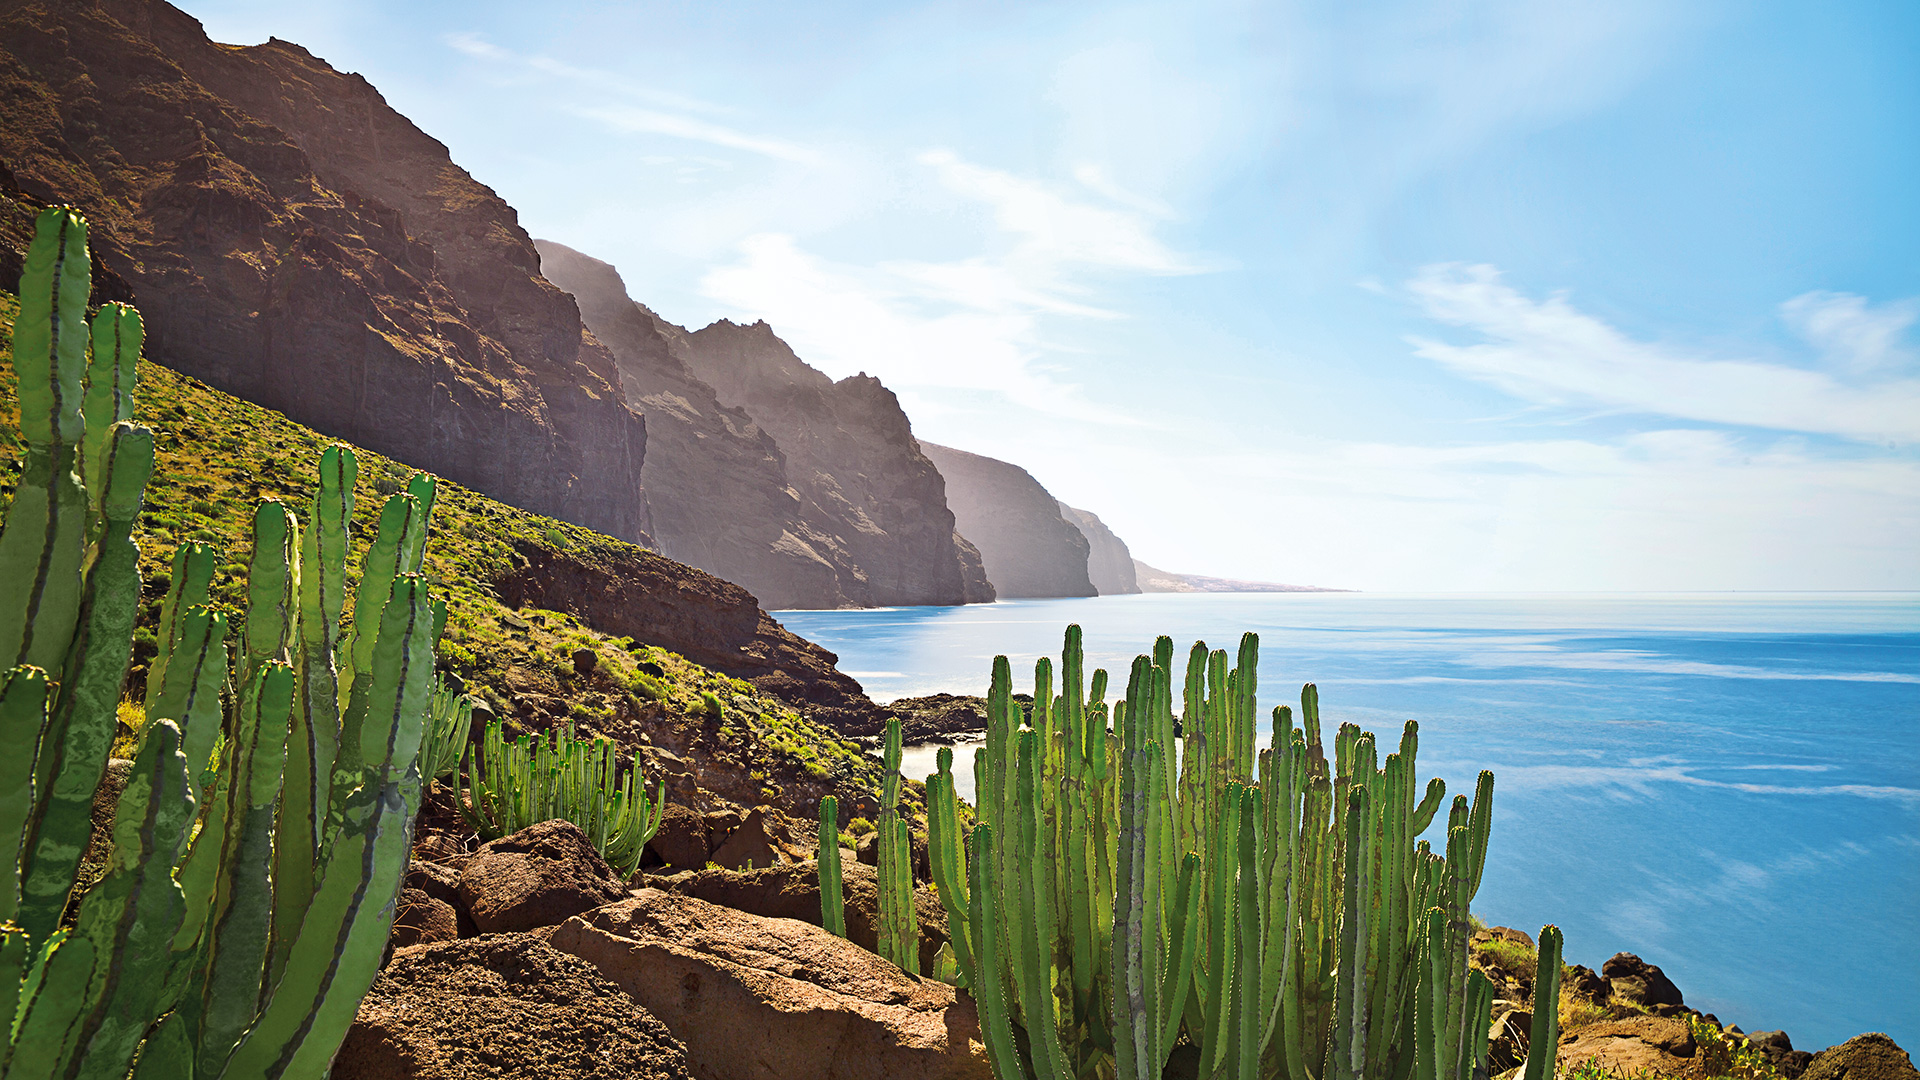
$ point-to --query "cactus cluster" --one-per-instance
(259, 842)
(512, 784)
(833, 909)
(898, 932)
(1273, 909)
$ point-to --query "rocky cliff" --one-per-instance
(808, 492)
(853, 459)
(1153, 579)
(717, 484)
(1109, 563)
(1029, 549)
(292, 239)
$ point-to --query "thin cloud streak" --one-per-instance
(1550, 352)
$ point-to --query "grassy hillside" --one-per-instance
(218, 455)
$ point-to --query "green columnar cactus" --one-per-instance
(1543, 1042)
(833, 909)
(1289, 921)
(511, 785)
(450, 721)
(899, 932)
(219, 943)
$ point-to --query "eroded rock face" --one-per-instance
(625, 592)
(292, 239)
(1029, 549)
(1109, 562)
(1659, 1043)
(539, 876)
(1872, 1056)
(852, 457)
(793, 892)
(1639, 983)
(754, 998)
(507, 1005)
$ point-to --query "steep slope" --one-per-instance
(1109, 563)
(1029, 549)
(717, 485)
(852, 456)
(292, 239)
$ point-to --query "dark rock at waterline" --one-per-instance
(938, 718)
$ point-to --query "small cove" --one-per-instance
(1725, 784)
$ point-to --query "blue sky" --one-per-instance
(1417, 296)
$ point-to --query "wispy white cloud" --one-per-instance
(1550, 352)
(971, 323)
(644, 110)
(1851, 333)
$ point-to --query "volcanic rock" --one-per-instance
(939, 717)
(1787, 1061)
(754, 998)
(536, 877)
(506, 1005)
(681, 842)
(1637, 982)
(293, 240)
(419, 919)
(793, 892)
(1029, 549)
(1872, 1056)
(1663, 1045)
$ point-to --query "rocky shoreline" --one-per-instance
(530, 956)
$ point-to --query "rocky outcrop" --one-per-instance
(507, 1005)
(852, 457)
(1109, 563)
(293, 240)
(1656, 1045)
(717, 485)
(1872, 1056)
(793, 892)
(623, 591)
(754, 998)
(939, 718)
(1637, 982)
(1029, 549)
(540, 876)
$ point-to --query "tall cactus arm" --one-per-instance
(243, 902)
(996, 1014)
(187, 588)
(1423, 814)
(947, 856)
(1480, 824)
(273, 589)
(80, 733)
(384, 563)
(45, 535)
(23, 717)
(833, 910)
(131, 914)
(1544, 1041)
(117, 334)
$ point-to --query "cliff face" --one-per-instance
(717, 484)
(1029, 549)
(293, 240)
(1109, 563)
(853, 459)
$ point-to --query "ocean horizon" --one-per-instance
(1726, 784)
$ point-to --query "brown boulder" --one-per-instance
(1872, 1056)
(537, 877)
(755, 998)
(681, 842)
(420, 919)
(507, 1005)
(1507, 1040)
(1787, 1061)
(793, 892)
(764, 838)
(1662, 1045)
(1583, 983)
(1639, 983)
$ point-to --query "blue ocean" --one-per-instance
(1726, 784)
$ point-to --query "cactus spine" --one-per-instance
(239, 921)
(1276, 907)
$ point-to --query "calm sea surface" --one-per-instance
(1726, 784)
